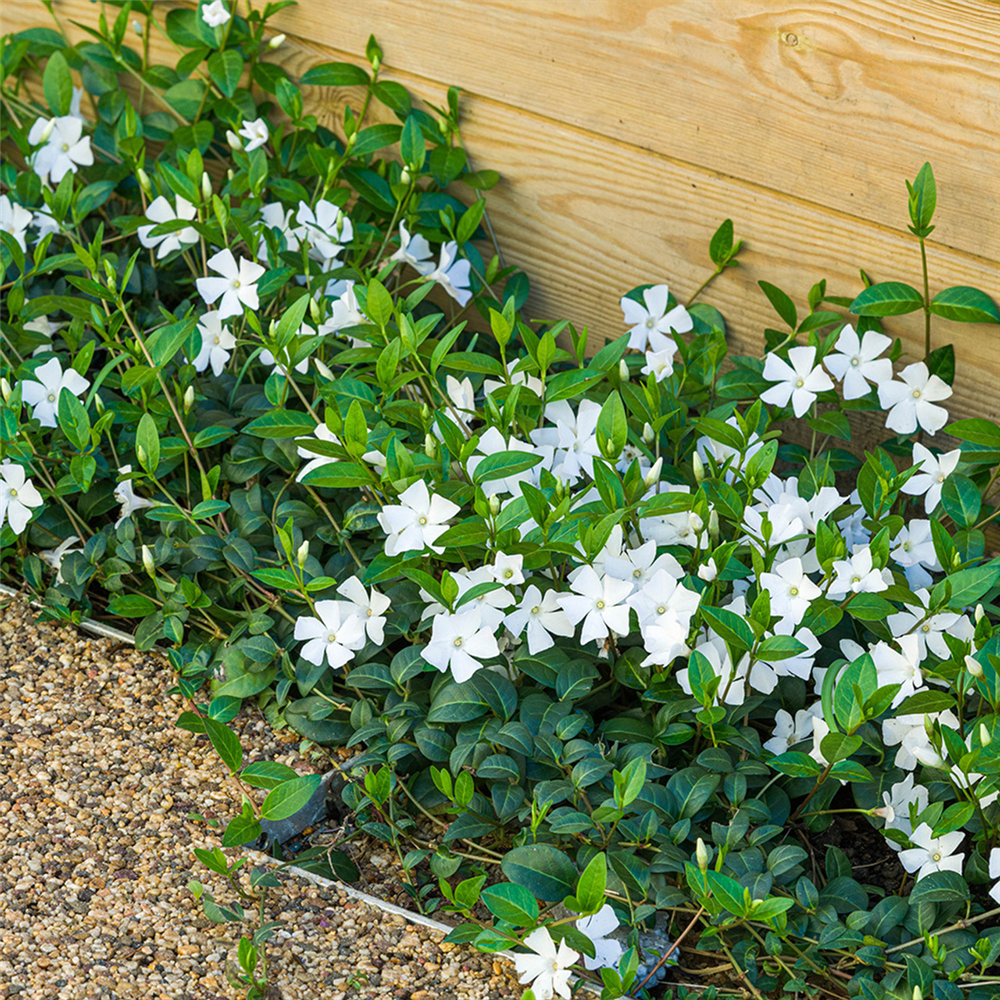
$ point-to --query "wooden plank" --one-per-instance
(589, 218)
(831, 102)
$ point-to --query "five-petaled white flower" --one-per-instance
(790, 589)
(460, 642)
(548, 968)
(237, 286)
(538, 618)
(660, 364)
(335, 635)
(911, 402)
(15, 219)
(216, 343)
(901, 667)
(896, 806)
(598, 603)
(788, 730)
(160, 211)
(932, 854)
(43, 392)
(929, 479)
(214, 14)
(54, 557)
(17, 497)
(856, 361)
(856, 575)
(597, 927)
(799, 379)
(369, 608)
(651, 323)
(995, 872)
(67, 147)
(414, 250)
(452, 274)
(256, 134)
(326, 229)
(416, 522)
(125, 495)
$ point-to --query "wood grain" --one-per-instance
(589, 216)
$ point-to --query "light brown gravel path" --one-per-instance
(96, 788)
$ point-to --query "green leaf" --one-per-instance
(289, 797)
(512, 903)
(375, 137)
(338, 475)
(977, 430)
(570, 384)
(965, 305)
(593, 883)
(186, 97)
(542, 869)
(131, 606)
(940, 887)
(967, 585)
(281, 424)
(457, 703)
(469, 222)
(783, 305)
(501, 464)
(226, 743)
(888, 298)
(730, 627)
(148, 439)
(721, 245)
(58, 84)
(267, 774)
(727, 891)
(612, 427)
(961, 500)
(335, 74)
(779, 647)
(73, 420)
(241, 830)
(412, 148)
(923, 197)
(226, 68)
(839, 746)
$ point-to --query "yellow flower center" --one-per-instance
(369, 612)
(936, 856)
(916, 394)
(13, 492)
(508, 573)
(794, 591)
(599, 605)
(855, 362)
(661, 610)
(217, 340)
(925, 628)
(458, 642)
(650, 324)
(941, 479)
(422, 520)
(52, 397)
(535, 610)
(236, 283)
(799, 383)
(331, 637)
(65, 147)
(637, 573)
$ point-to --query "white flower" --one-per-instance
(453, 274)
(930, 478)
(910, 733)
(538, 618)
(335, 635)
(932, 854)
(706, 447)
(256, 133)
(216, 343)
(415, 251)
(508, 570)
(897, 802)
(995, 872)
(790, 589)
(283, 361)
(54, 557)
(66, 149)
(573, 436)
(899, 667)
(913, 549)
(417, 521)
(43, 392)
(516, 378)
(597, 927)
(237, 286)
(732, 684)
(345, 312)
(326, 229)
(276, 216)
(459, 642)
(856, 576)
(664, 640)
(598, 603)
(857, 360)
(45, 223)
(214, 14)
(930, 630)
(548, 969)
(651, 323)
(14, 219)
(911, 401)
(660, 363)
(640, 565)
(663, 600)
(799, 379)
(160, 211)
(789, 731)
(369, 609)
(127, 498)
(708, 571)
(17, 497)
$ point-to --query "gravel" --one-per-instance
(99, 803)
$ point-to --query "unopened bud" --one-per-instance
(230, 174)
(648, 437)
(137, 28)
(188, 398)
(702, 855)
(560, 489)
(698, 466)
(144, 182)
(376, 62)
(206, 186)
(973, 666)
(109, 272)
(99, 405)
(918, 993)
(141, 454)
(653, 476)
(495, 504)
(47, 131)
(979, 613)
(984, 734)
(5, 390)
(697, 523)
(405, 177)
(713, 524)
(430, 445)
(425, 413)
(323, 369)
(235, 142)
(276, 42)
(315, 312)
(708, 571)
(956, 561)
(303, 554)
(340, 225)
(623, 373)
(147, 560)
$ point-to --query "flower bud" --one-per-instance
(702, 855)
(697, 523)
(315, 312)
(973, 666)
(47, 131)
(713, 524)
(918, 993)
(206, 186)
(303, 554)
(188, 398)
(956, 561)
(653, 476)
(984, 735)
(230, 174)
(495, 504)
(99, 405)
(5, 390)
(560, 490)
(708, 571)
(109, 272)
(276, 42)
(235, 142)
(323, 369)
(137, 28)
(699, 467)
(141, 455)
(405, 177)
(425, 413)
(648, 437)
(147, 560)
(144, 182)
(979, 613)
(623, 373)
(430, 445)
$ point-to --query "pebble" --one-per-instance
(98, 794)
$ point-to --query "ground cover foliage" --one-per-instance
(269, 395)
